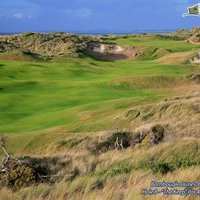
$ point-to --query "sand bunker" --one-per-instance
(117, 49)
(112, 52)
(98, 49)
(103, 49)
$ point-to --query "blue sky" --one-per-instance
(83, 15)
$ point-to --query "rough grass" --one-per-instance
(145, 82)
(179, 57)
(114, 174)
(151, 53)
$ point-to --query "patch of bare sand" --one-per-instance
(125, 54)
(102, 52)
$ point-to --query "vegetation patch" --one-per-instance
(194, 77)
(157, 167)
(163, 167)
(117, 141)
(18, 175)
(157, 133)
(123, 140)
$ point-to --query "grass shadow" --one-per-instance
(94, 57)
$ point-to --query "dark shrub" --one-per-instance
(161, 167)
(119, 140)
(18, 176)
(158, 133)
(194, 78)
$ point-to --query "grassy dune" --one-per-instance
(52, 110)
(115, 174)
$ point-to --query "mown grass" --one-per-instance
(36, 96)
(175, 46)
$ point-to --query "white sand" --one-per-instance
(101, 49)
(117, 49)
(195, 59)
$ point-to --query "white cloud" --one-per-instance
(84, 13)
(18, 15)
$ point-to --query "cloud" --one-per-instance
(18, 16)
(20, 9)
(107, 9)
(83, 13)
(86, 13)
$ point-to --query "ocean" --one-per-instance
(101, 32)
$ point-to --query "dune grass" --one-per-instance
(114, 174)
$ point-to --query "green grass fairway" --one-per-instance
(175, 46)
(40, 95)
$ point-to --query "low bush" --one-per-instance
(18, 175)
(163, 166)
(194, 77)
(158, 133)
(117, 141)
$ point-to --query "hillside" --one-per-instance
(98, 117)
(80, 173)
(54, 44)
(39, 46)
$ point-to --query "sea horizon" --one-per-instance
(99, 32)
